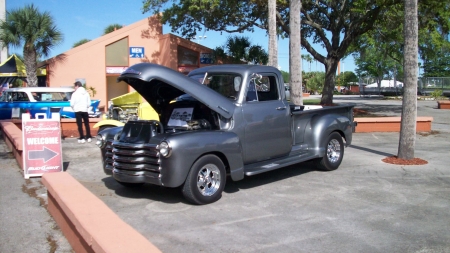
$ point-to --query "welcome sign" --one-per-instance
(42, 150)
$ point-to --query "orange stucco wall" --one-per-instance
(88, 60)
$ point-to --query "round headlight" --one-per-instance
(164, 149)
(100, 141)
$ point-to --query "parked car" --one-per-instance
(39, 99)
(130, 106)
(237, 122)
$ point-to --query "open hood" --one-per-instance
(159, 85)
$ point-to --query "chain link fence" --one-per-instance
(426, 85)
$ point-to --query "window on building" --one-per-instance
(117, 53)
(187, 57)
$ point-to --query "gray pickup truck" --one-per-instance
(217, 121)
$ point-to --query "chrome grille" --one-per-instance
(134, 157)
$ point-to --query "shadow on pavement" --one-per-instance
(174, 195)
(371, 150)
(269, 177)
(145, 191)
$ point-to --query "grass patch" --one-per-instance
(314, 101)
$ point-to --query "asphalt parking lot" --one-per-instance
(364, 206)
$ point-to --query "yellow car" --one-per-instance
(130, 106)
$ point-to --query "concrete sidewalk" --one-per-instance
(25, 224)
(364, 206)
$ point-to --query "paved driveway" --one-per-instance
(364, 206)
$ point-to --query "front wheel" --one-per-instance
(334, 152)
(205, 181)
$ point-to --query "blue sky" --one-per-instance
(83, 19)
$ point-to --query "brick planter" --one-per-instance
(443, 104)
(390, 124)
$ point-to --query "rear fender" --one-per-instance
(324, 125)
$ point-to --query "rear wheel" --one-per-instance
(334, 152)
(205, 181)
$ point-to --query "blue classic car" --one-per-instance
(40, 100)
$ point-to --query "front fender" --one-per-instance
(189, 146)
(108, 122)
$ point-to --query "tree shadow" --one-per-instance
(371, 150)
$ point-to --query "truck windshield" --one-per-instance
(226, 84)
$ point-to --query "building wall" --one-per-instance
(87, 61)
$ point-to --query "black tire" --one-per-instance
(130, 185)
(334, 153)
(205, 181)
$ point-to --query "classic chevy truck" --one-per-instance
(217, 121)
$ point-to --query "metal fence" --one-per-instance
(425, 86)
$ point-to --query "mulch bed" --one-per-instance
(398, 161)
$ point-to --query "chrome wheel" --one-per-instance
(205, 181)
(333, 151)
(208, 179)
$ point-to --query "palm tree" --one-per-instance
(295, 58)
(33, 29)
(273, 44)
(112, 28)
(308, 59)
(410, 69)
(80, 42)
(238, 49)
(257, 55)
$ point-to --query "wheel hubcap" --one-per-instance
(208, 179)
(333, 151)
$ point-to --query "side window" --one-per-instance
(262, 89)
(20, 96)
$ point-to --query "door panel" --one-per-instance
(267, 123)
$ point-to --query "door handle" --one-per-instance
(281, 108)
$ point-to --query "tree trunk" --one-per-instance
(273, 45)
(29, 55)
(410, 68)
(331, 65)
(295, 59)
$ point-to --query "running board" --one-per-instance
(296, 155)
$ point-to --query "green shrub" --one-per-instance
(436, 94)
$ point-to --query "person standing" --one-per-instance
(80, 103)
